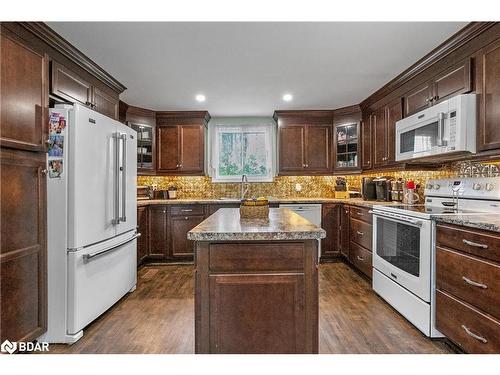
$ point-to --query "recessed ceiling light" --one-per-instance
(200, 98)
(287, 97)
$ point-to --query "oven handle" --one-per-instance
(418, 223)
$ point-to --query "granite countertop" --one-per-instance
(283, 224)
(351, 201)
(489, 222)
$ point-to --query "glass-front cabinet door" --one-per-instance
(145, 147)
(346, 146)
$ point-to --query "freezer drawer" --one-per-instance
(96, 283)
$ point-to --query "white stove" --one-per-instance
(404, 243)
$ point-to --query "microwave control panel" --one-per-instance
(452, 121)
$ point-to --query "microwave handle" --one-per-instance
(440, 140)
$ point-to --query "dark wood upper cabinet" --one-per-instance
(488, 78)
(23, 252)
(366, 142)
(330, 222)
(304, 142)
(379, 137)
(318, 148)
(394, 113)
(70, 86)
(24, 99)
(292, 143)
(454, 80)
(180, 142)
(417, 99)
(143, 121)
(167, 146)
(105, 103)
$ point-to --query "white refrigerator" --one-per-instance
(91, 216)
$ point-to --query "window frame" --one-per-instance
(267, 129)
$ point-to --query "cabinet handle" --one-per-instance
(360, 258)
(474, 283)
(177, 166)
(180, 165)
(474, 244)
(360, 233)
(186, 218)
(436, 97)
(88, 103)
(477, 337)
(44, 171)
(427, 100)
(187, 210)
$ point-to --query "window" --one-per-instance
(239, 150)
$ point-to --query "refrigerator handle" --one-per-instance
(116, 143)
(124, 178)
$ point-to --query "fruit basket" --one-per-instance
(254, 208)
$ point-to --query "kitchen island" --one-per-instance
(256, 283)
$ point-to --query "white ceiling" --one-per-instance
(245, 68)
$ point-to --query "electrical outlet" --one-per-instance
(298, 187)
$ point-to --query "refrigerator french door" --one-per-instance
(92, 220)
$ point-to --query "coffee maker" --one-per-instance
(383, 188)
(368, 191)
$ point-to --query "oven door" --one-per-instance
(403, 250)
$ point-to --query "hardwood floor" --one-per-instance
(159, 317)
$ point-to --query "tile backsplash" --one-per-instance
(281, 187)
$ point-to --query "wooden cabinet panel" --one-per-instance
(361, 233)
(360, 213)
(379, 137)
(454, 81)
(168, 150)
(187, 209)
(24, 98)
(179, 226)
(68, 85)
(361, 258)
(472, 241)
(394, 113)
(475, 281)
(105, 103)
(23, 252)
(245, 308)
(469, 328)
(489, 119)
(143, 227)
(344, 230)
(192, 146)
(417, 99)
(318, 149)
(158, 231)
(366, 142)
(292, 145)
(330, 222)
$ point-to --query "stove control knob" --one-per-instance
(437, 186)
(489, 186)
(476, 186)
(428, 186)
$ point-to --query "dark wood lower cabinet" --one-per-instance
(344, 230)
(143, 228)
(258, 304)
(158, 248)
(330, 222)
(181, 247)
(23, 257)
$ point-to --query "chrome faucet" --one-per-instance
(244, 186)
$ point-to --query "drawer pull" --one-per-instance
(475, 244)
(187, 210)
(360, 214)
(360, 233)
(370, 212)
(472, 334)
(473, 283)
(360, 258)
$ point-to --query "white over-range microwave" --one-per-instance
(447, 127)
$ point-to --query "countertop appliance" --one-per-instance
(368, 191)
(383, 188)
(310, 212)
(91, 216)
(404, 243)
(447, 127)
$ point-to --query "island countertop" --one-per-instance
(283, 224)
